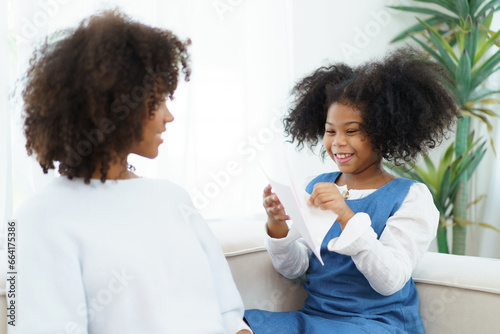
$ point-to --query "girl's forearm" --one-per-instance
(277, 229)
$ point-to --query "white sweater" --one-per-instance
(129, 256)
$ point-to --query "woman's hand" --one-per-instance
(244, 331)
(327, 196)
(276, 215)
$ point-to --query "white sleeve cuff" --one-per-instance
(243, 326)
(290, 255)
(277, 246)
(357, 236)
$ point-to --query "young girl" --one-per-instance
(101, 250)
(394, 110)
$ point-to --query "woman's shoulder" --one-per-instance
(62, 193)
(160, 185)
(36, 207)
(156, 190)
(138, 184)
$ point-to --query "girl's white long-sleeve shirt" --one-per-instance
(386, 262)
(129, 256)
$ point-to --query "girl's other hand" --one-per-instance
(327, 196)
(274, 209)
(276, 215)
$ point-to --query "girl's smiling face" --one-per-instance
(346, 143)
(152, 129)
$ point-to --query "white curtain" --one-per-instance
(225, 116)
(246, 55)
(5, 126)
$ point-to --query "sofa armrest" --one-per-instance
(458, 294)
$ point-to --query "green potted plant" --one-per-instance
(457, 35)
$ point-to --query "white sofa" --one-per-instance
(458, 294)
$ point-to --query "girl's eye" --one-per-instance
(352, 131)
(330, 132)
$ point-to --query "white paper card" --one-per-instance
(312, 223)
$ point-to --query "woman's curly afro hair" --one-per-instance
(87, 95)
(404, 100)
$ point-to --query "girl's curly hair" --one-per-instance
(404, 100)
(87, 94)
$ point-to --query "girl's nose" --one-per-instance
(339, 140)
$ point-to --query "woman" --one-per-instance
(101, 250)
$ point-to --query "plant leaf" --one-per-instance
(442, 238)
(463, 78)
(480, 117)
(492, 144)
(442, 3)
(489, 101)
(446, 160)
(410, 172)
(460, 166)
(491, 227)
(447, 63)
(480, 74)
(489, 5)
(470, 162)
(474, 163)
(488, 112)
(445, 185)
(444, 222)
(463, 8)
(481, 94)
(477, 200)
(471, 43)
(484, 27)
(474, 5)
(466, 222)
(431, 172)
(460, 36)
(423, 174)
(418, 28)
(441, 42)
(486, 46)
(428, 11)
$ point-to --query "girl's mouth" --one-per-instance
(343, 157)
